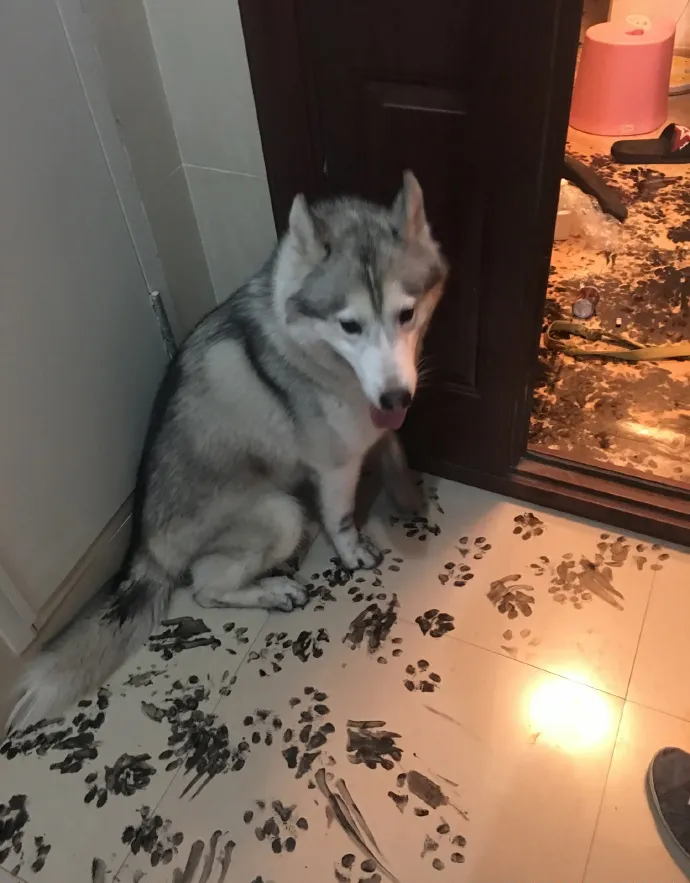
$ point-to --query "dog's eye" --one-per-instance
(349, 326)
(406, 315)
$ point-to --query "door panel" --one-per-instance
(350, 94)
(80, 351)
(383, 108)
(425, 128)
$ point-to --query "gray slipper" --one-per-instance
(669, 791)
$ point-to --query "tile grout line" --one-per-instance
(179, 770)
(626, 701)
(674, 717)
(528, 664)
(639, 637)
(603, 794)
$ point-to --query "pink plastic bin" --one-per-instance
(621, 86)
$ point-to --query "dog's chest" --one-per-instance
(344, 432)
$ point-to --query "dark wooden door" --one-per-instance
(349, 94)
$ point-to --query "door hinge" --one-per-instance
(163, 323)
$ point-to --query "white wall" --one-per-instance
(203, 63)
(80, 350)
(671, 9)
(132, 79)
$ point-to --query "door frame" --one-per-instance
(625, 501)
(17, 616)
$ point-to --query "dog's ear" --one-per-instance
(306, 233)
(408, 209)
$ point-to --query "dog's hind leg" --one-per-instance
(229, 573)
(230, 580)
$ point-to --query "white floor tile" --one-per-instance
(474, 742)
(73, 795)
(659, 679)
(570, 596)
(493, 746)
(627, 846)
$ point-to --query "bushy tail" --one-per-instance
(83, 656)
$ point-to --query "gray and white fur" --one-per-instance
(265, 416)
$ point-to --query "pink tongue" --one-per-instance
(387, 419)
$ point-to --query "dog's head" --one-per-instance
(364, 281)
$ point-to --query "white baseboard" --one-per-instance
(16, 616)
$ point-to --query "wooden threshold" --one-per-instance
(633, 506)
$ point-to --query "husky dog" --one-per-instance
(267, 412)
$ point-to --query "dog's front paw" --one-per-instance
(361, 554)
(282, 593)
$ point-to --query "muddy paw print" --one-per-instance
(443, 847)
(182, 633)
(420, 678)
(459, 574)
(612, 552)
(280, 827)
(267, 727)
(272, 655)
(528, 525)
(238, 636)
(321, 594)
(372, 627)
(580, 582)
(360, 591)
(306, 740)
(540, 566)
(20, 852)
(565, 583)
(371, 745)
(76, 741)
(196, 738)
(394, 564)
(525, 636)
(153, 835)
(334, 576)
(307, 645)
(419, 527)
(476, 548)
(349, 870)
(13, 818)
(643, 553)
(435, 623)
(130, 773)
(397, 650)
(511, 600)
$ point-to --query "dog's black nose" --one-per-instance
(393, 399)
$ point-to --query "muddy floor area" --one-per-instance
(631, 417)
